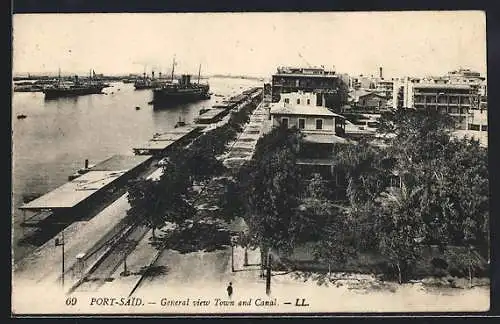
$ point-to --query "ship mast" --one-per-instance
(199, 72)
(173, 68)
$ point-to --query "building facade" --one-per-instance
(321, 129)
(372, 101)
(318, 80)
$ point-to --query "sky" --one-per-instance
(403, 43)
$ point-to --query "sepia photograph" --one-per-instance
(250, 163)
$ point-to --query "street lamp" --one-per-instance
(233, 241)
(125, 245)
(61, 243)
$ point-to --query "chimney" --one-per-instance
(153, 74)
(381, 76)
(86, 163)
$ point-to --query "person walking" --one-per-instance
(230, 289)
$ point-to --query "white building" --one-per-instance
(303, 111)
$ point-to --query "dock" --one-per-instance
(212, 115)
(161, 143)
(220, 110)
(68, 200)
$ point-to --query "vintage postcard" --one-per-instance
(250, 163)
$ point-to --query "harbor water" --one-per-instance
(57, 135)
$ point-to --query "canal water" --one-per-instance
(58, 135)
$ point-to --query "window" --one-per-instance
(298, 101)
(302, 123)
(484, 128)
(319, 100)
(284, 122)
(287, 100)
(308, 101)
(319, 123)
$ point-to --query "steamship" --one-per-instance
(75, 88)
(182, 92)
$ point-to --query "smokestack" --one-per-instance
(86, 163)
(153, 74)
(381, 76)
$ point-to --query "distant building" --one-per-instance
(318, 80)
(454, 99)
(386, 87)
(372, 101)
(477, 127)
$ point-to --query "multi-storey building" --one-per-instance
(318, 80)
(303, 111)
(386, 87)
(454, 99)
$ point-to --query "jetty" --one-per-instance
(74, 197)
(163, 142)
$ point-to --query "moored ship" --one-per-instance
(72, 89)
(181, 92)
(149, 83)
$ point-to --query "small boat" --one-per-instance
(21, 116)
(137, 108)
(180, 123)
(204, 110)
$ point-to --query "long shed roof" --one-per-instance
(74, 192)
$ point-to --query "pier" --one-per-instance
(70, 200)
(162, 143)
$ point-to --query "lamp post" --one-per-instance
(61, 243)
(125, 245)
(233, 241)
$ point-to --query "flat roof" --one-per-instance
(161, 141)
(168, 137)
(182, 129)
(212, 113)
(74, 192)
(120, 162)
(154, 145)
(307, 75)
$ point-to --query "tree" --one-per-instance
(399, 228)
(270, 188)
(158, 201)
(145, 200)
